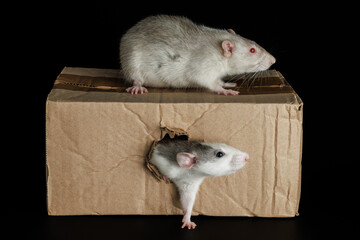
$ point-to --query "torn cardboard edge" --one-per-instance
(268, 82)
(172, 133)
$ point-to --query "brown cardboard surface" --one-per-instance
(98, 136)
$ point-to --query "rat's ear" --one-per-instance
(228, 48)
(186, 160)
(231, 31)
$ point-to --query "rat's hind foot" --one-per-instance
(228, 92)
(136, 90)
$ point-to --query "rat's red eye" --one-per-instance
(252, 50)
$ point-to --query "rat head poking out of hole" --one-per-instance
(188, 163)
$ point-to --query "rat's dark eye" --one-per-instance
(220, 154)
(252, 50)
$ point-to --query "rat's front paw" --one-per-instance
(228, 92)
(136, 90)
(189, 225)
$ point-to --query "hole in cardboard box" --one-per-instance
(176, 137)
(167, 135)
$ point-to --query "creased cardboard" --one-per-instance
(98, 138)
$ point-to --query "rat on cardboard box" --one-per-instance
(188, 163)
(172, 51)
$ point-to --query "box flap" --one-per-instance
(107, 85)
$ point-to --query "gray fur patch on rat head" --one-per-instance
(170, 148)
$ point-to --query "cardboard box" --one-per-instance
(98, 137)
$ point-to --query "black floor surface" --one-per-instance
(168, 227)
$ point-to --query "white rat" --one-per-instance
(171, 51)
(188, 163)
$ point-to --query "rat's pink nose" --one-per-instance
(246, 158)
(272, 60)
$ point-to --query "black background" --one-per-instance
(313, 46)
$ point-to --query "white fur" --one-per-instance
(168, 51)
